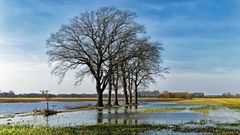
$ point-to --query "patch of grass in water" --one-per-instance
(233, 107)
(155, 110)
(205, 109)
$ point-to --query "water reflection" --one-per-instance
(99, 116)
(47, 120)
(116, 115)
(116, 110)
(136, 106)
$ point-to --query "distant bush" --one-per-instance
(184, 95)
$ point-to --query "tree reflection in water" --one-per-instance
(99, 116)
(46, 121)
(118, 115)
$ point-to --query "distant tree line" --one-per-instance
(11, 94)
(229, 94)
(184, 95)
(141, 94)
(149, 94)
(112, 48)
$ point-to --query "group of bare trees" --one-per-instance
(110, 46)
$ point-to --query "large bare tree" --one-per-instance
(90, 44)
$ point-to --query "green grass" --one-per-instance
(237, 124)
(155, 110)
(205, 109)
(102, 129)
(233, 107)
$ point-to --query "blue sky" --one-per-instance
(201, 40)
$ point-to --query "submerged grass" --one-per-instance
(205, 109)
(117, 129)
(155, 110)
(233, 107)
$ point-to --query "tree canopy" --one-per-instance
(100, 44)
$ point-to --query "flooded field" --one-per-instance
(24, 107)
(148, 112)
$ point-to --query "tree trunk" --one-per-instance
(130, 97)
(136, 94)
(116, 88)
(136, 88)
(100, 99)
(110, 83)
(125, 89)
(116, 98)
(124, 84)
(47, 106)
(130, 93)
(129, 88)
(99, 94)
(110, 91)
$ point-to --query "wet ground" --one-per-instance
(122, 115)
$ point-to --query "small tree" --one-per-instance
(46, 95)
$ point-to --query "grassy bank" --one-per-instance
(112, 129)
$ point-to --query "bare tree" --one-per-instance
(46, 95)
(84, 45)
(146, 65)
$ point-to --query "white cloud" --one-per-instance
(26, 77)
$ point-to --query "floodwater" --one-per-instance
(23, 107)
(123, 115)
